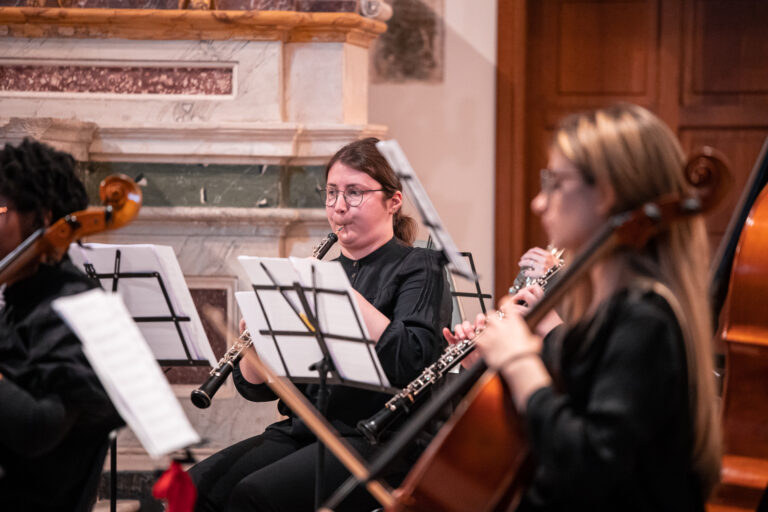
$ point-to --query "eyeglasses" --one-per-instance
(550, 180)
(352, 196)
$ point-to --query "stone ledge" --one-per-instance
(202, 223)
(164, 24)
(223, 216)
(206, 143)
(227, 143)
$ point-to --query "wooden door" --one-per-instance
(701, 65)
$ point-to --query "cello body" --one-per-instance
(744, 330)
(477, 462)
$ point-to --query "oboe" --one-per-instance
(402, 402)
(203, 395)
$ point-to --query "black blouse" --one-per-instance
(614, 431)
(407, 285)
(55, 414)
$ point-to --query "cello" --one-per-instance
(739, 290)
(121, 197)
(464, 456)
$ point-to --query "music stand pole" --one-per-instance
(322, 367)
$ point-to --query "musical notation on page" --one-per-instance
(128, 370)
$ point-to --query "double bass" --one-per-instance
(739, 291)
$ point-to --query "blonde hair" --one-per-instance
(627, 148)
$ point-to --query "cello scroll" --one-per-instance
(122, 200)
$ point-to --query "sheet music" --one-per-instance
(298, 352)
(338, 317)
(128, 371)
(144, 297)
(354, 360)
(394, 154)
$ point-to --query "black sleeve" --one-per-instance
(411, 341)
(249, 391)
(585, 452)
(32, 426)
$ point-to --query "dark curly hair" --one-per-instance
(36, 178)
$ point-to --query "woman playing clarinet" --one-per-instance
(405, 301)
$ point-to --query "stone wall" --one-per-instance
(228, 117)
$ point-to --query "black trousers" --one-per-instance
(275, 472)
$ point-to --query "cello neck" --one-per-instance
(14, 263)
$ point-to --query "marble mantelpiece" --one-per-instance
(192, 86)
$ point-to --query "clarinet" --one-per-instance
(404, 401)
(203, 395)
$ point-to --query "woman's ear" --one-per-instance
(606, 200)
(395, 202)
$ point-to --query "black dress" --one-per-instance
(614, 430)
(275, 471)
(55, 414)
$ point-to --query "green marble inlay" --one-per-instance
(245, 186)
(305, 186)
(194, 184)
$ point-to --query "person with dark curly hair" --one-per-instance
(55, 416)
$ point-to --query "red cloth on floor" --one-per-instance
(176, 487)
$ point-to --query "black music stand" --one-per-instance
(312, 307)
(178, 319)
(396, 158)
(478, 294)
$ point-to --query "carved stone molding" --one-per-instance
(165, 24)
(67, 135)
(230, 221)
(277, 143)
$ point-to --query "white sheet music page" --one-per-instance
(340, 318)
(128, 371)
(287, 354)
(144, 296)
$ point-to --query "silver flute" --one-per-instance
(203, 395)
(403, 402)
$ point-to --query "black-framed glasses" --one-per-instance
(352, 196)
(550, 179)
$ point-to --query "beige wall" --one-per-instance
(447, 129)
